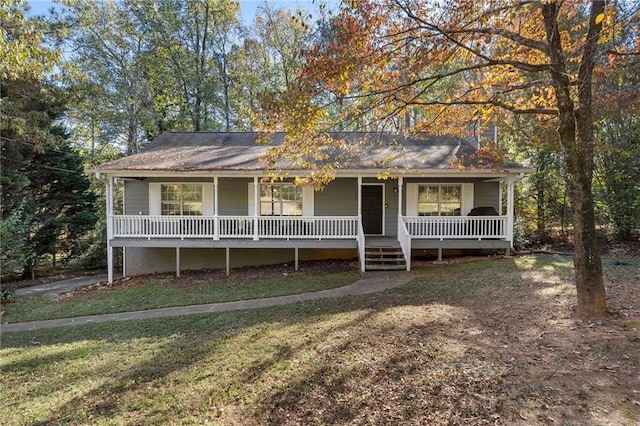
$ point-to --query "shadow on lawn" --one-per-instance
(471, 341)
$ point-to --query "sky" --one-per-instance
(247, 7)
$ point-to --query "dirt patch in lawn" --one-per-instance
(566, 370)
(559, 369)
(192, 278)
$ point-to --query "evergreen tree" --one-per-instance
(47, 207)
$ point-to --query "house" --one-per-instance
(200, 200)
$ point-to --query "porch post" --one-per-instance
(177, 261)
(359, 197)
(216, 222)
(227, 263)
(109, 206)
(500, 188)
(510, 213)
(296, 256)
(256, 205)
(400, 183)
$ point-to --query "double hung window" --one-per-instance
(439, 200)
(280, 199)
(181, 200)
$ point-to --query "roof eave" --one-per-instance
(392, 172)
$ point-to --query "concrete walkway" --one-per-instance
(55, 288)
(371, 282)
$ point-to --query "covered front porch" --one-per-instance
(319, 230)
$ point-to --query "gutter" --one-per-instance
(391, 172)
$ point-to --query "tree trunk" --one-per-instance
(586, 251)
(539, 184)
(588, 266)
(541, 219)
(576, 137)
(132, 146)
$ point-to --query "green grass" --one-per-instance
(160, 295)
(250, 367)
(429, 352)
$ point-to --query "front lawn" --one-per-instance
(485, 342)
(165, 290)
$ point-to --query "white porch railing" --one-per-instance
(285, 227)
(235, 226)
(405, 242)
(216, 227)
(456, 227)
(361, 246)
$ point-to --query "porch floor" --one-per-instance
(381, 242)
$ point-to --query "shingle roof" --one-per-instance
(200, 151)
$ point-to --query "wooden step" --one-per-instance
(385, 267)
(384, 258)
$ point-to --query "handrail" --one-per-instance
(405, 242)
(456, 227)
(361, 244)
(216, 227)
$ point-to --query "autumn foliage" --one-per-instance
(438, 67)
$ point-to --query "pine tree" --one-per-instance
(47, 206)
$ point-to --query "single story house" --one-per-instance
(202, 200)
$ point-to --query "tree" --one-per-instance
(387, 58)
(618, 159)
(546, 206)
(617, 149)
(268, 58)
(189, 57)
(112, 99)
(22, 53)
(47, 207)
(25, 56)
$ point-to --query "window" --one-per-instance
(181, 200)
(439, 200)
(280, 199)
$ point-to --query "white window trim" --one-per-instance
(411, 206)
(308, 195)
(155, 198)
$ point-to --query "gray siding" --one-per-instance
(234, 196)
(486, 194)
(136, 197)
(339, 198)
(441, 180)
(391, 210)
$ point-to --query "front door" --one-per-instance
(372, 209)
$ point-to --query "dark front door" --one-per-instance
(372, 209)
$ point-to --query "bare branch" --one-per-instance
(524, 41)
(493, 102)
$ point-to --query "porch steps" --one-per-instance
(385, 257)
